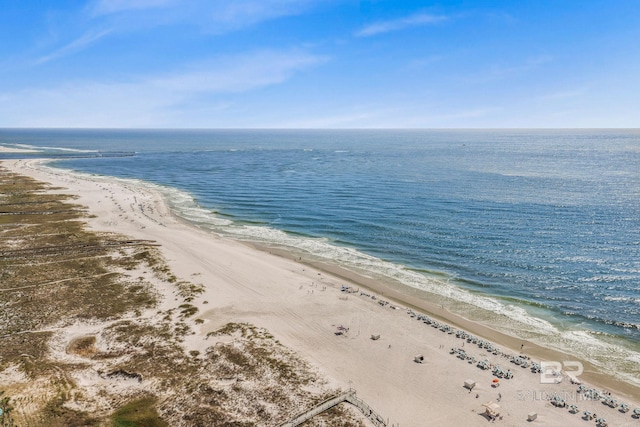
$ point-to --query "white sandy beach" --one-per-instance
(303, 306)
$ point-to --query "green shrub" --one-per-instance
(139, 413)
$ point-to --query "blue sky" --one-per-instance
(319, 63)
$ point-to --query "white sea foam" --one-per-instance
(64, 149)
(609, 298)
(617, 360)
(607, 278)
(583, 344)
(600, 349)
(623, 299)
(185, 206)
(353, 259)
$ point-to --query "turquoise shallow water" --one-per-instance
(542, 227)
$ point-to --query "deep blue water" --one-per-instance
(545, 221)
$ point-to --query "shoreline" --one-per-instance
(402, 295)
(246, 293)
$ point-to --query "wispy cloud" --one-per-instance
(106, 7)
(214, 17)
(238, 73)
(565, 94)
(217, 16)
(77, 45)
(415, 20)
(152, 100)
(233, 14)
(498, 72)
(529, 64)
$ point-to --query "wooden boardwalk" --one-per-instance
(349, 397)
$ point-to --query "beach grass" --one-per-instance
(139, 413)
(57, 274)
(54, 271)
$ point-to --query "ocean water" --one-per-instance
(536, 232)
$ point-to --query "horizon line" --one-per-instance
(314, 129)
